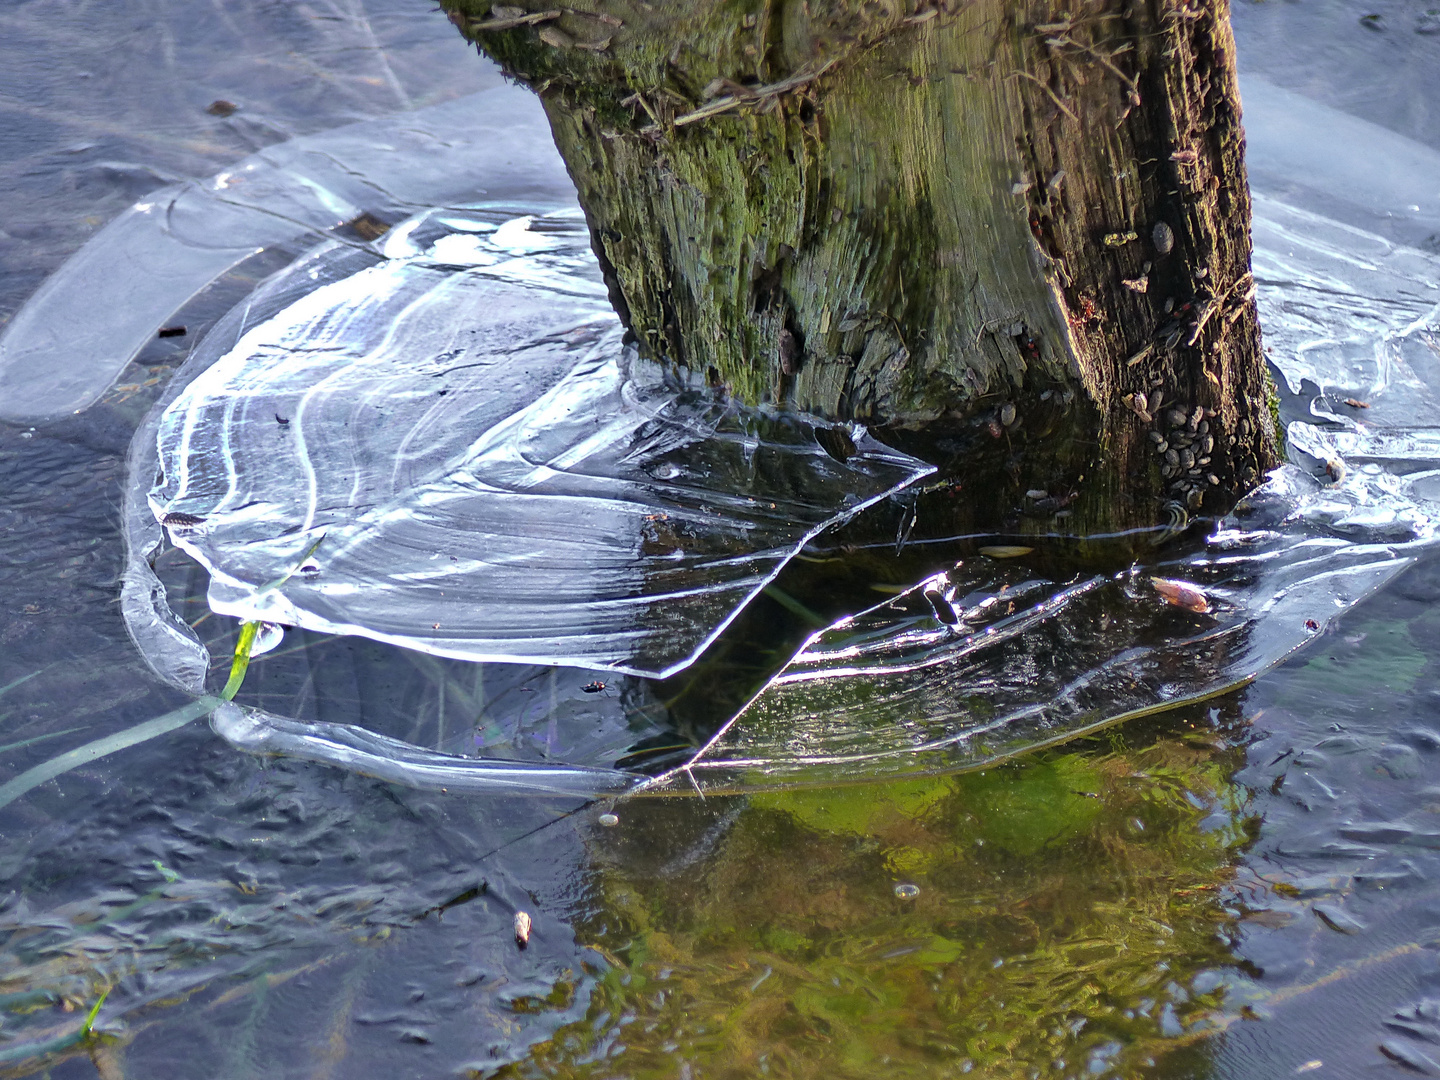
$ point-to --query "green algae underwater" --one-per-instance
(1064, 914)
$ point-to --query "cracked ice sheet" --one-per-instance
(72, 339)
(450, 451)
(1021, 662)
(1351, 321)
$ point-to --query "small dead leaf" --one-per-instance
(1005, 551)
(1182, 594)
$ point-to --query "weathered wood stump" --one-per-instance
(1014, 233)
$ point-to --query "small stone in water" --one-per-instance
(907, 891)
(609, 820)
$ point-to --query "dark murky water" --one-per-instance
(1242, 887)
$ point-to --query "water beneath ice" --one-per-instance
(1202, 890)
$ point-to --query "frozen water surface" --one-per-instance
(267, 916)
(436, 440)
(104, 306)
(460, 459)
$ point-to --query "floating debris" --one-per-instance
(1005, 551)
(367, 226)
(1182, 594)
(522, 929)
(179, 520)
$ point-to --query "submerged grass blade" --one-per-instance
(161, 725)
(38, 738)
(26, 1051)
(241, 663)
(22, 679)
(795, 607)
(93, 751)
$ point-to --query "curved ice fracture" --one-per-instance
(449, 451)
(75, 335)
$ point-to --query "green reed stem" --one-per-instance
(241, 663)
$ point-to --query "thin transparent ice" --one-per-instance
(449, 450)
(1348, 315)
(73, 338)
(1029, 661)
(1352, 321)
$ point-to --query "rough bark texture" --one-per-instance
(1019, 226)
